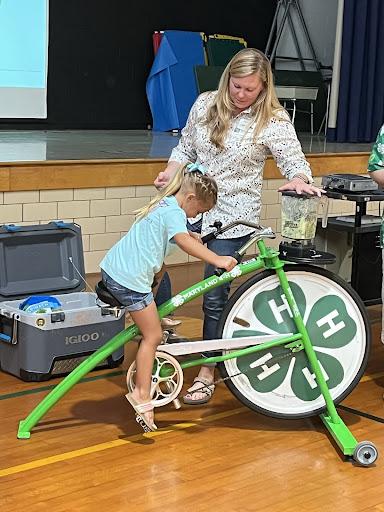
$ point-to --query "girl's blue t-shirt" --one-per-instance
(140, 254)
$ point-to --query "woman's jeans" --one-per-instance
(164, 291)
(215, 300)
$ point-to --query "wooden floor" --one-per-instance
(89, 454)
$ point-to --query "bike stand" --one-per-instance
(364, 453)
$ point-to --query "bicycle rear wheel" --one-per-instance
(277, 382)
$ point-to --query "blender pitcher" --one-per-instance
(299, 217)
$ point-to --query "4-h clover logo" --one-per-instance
(177, 300)
(329, 325)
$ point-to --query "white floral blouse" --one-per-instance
(238, 169)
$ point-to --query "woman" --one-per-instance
(230, 132)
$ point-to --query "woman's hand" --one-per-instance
(226, 262)
(300, 187)
(162, 180)
(165, 176)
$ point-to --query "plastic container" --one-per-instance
(299, 216)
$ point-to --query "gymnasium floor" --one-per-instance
(89, 453)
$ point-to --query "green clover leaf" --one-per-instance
(272, 310)
(329, 323)
(329, 326)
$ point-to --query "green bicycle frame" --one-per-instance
(267, 259)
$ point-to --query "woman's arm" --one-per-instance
(185, 151)
(164, 177)
(376, 160)
(378, 176)
(281, 139)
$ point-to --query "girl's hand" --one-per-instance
(300, 187)
(226, 262)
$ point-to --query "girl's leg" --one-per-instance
(147, 320)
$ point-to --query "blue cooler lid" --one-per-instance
(41, 259)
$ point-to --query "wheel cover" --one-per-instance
(336, 327)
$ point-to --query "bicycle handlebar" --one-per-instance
(260, 231)
(222, 229)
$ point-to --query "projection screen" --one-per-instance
(23, 58)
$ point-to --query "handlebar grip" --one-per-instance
(220, 271)
(209, 236)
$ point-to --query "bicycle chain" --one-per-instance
(283, 355)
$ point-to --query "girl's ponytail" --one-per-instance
(171, 189)
(188, 178)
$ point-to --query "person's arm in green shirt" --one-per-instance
(376, 160)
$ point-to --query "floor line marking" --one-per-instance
(38, 463)
(33, 391)
(372, 377)
(18, 394)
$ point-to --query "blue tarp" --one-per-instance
(171, 86)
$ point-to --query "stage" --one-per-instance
(40, 146)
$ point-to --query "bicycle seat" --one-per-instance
(106, 296)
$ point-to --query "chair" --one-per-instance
(300, 89)
(208, 77)
(221, 48)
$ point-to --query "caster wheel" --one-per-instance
(365, 453)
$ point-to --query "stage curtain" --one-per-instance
(360, 110)
(171, 86)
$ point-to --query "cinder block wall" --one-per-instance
(105, 214)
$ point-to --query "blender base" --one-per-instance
(304, 253)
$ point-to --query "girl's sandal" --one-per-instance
(140, 410)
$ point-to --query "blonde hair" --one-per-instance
(246, 62)
(186, 180)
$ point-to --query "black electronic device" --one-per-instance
(349, 183)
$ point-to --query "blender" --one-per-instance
(298, 228)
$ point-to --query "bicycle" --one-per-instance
(294, 341)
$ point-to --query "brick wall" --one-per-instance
(105, 214)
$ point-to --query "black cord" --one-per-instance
(360, 413)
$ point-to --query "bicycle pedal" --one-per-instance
(173, 337)
(176, 403)
(164, 338)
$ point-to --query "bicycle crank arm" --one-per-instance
(193, 347)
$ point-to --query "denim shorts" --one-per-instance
(132, 300)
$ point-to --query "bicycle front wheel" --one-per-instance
(278, 382)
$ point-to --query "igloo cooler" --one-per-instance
(48, 260)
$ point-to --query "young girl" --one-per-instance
(129, 267)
